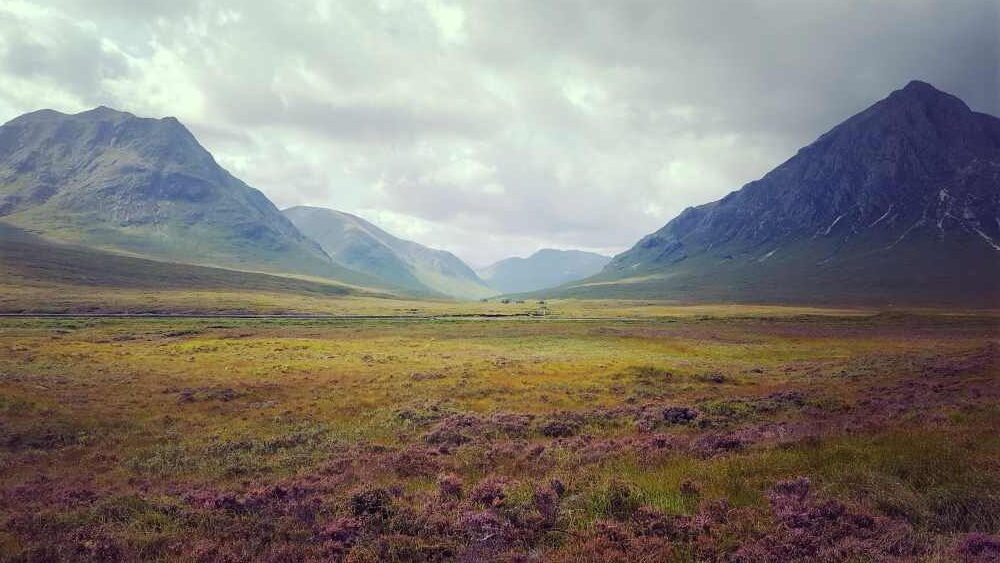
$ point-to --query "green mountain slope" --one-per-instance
(29, 260)
(360, 245)
(111, 180)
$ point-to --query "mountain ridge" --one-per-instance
(361, 245)
(909, 182)
(898, 203)
(145, 186)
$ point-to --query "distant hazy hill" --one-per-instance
(360, 245)
(898, 204)
(109, 179)
(543, 269)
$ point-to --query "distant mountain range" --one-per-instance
(543, 269)
(898, 204)
(360, 245)
(113, 182)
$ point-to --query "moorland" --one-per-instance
(803, 370)
(603, 431)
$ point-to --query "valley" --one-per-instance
(803, 370)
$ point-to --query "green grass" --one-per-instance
(930, 477)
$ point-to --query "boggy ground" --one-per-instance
(710, 437)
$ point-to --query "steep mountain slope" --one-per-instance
(898, 204)
(546, 268)
(360, 245)
(111, 180)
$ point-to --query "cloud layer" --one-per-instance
(496, 127)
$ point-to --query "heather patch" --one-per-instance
(468, 440)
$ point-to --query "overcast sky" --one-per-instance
(495, 128)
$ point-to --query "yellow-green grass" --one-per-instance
(141, 408)
(352, 375)
(48, 298)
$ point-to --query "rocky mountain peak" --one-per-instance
(914, 175)
(105, 113)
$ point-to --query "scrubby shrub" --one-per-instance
(780, 400)
(715, 444)
(489, 492)
(480, 524)
(512, 424)
(372, 503)
(646, 421)
(343, 530)
(562, 425)
(449, 486)
(679, 415)
(651, 522)
(454, 431)
(976, 548)
(611, 542)
(546, 501)
(558, 429)
(415, 461)
(557, 486)
(811, 530)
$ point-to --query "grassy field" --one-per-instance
(647, 432)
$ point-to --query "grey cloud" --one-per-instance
(369, 122)
(61, 55)
(493, 127)
(135, 11)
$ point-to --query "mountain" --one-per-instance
(110, 180)
(360, 245)
(546, 268)
(900, 204)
